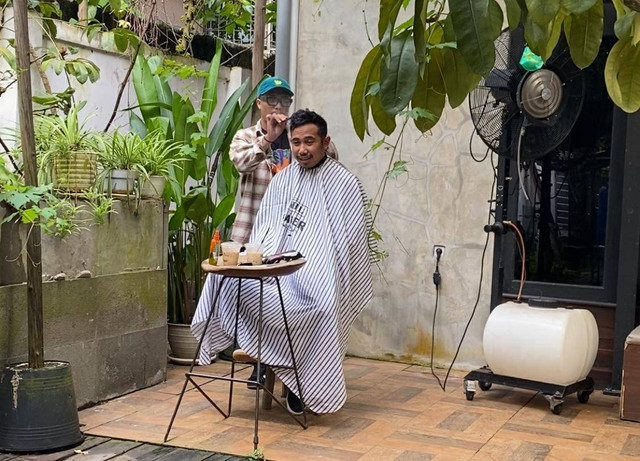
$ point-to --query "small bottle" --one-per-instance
(214, 248)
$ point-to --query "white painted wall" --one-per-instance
(442, 201)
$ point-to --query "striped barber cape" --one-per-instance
(322, 213)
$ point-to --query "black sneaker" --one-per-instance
(294, 404)
(254, 374)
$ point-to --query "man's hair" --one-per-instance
(306, 116)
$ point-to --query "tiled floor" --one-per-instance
(393, 412)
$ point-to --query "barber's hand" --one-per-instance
(276, 124)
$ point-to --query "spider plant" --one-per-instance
(66, 151)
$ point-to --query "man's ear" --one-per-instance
(326, 141)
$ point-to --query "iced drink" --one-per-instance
(230, 253)
(254, 253)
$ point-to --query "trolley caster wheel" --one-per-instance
(469, 395)
(557, 409)
(485, 386)
(583, 396)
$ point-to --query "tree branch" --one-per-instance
(123, 84)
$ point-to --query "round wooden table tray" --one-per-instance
(263, 270)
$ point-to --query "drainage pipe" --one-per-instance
(283, 38)
(293, 43)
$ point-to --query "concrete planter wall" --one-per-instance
(111, 327)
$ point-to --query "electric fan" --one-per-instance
(525, 115)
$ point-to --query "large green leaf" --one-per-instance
(398, 79)
(8, 56)
(198, 207)
(145, 89)
(430, 93)
(223, 209)
(359, 104)
(621, 8)
(385, 122)
(178, 217)
(543, 11)
(238, 117)
(542, 39)
(475, 29)
(388, 14)
(623, 25)
(636, 29)
(622, 75)
(163, 89)
(222, 126)
(137, 125)
(578, 6)
(199, 165)
(584, 35)
(419, 27)
(183, 129)
(458, 79)
(496, 19)
(210, 91)
(181, 111)
(513, 13)
(227, 176)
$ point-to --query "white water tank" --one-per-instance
(550, 345)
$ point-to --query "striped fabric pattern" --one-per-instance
(322, 213)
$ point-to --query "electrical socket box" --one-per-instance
(435, 250)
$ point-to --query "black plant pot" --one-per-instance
(38, 408)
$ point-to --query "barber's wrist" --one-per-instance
(267, 139)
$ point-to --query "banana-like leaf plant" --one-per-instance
(198, 205)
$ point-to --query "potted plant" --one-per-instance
(157, 159)
(119, 155)
(37, 396)
(204, 182)
(66, 151)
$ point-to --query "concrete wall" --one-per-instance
(132, 238)
(443, 200)
(111, 327)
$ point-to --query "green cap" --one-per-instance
(273, 83)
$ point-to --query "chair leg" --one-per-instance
(268, 384)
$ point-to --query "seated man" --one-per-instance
(317, 207)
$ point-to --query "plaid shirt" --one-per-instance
(255, 167)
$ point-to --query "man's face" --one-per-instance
(308, 146)
(274, 102)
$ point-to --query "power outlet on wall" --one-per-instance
(435, 250)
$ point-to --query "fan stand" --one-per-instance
(545, 105)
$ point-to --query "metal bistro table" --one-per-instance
(243, 273)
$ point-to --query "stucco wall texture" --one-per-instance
(442, 201)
